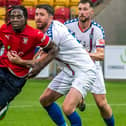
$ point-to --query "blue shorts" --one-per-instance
(10, 86)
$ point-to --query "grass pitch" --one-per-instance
(25, 110)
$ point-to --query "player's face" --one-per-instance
(84, 12)
(17, 19)
(41, 18)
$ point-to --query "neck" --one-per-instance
(19, 30)
(84, 25)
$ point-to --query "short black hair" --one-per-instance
(86, 1)
(25, 13)
(47, 7)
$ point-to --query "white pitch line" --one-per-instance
(23, 106)
(109, 104)
(30, 106)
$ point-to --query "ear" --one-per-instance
(51, 17)
(92, 11)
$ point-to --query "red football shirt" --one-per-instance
(23, 44)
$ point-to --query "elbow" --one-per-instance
(54, 51)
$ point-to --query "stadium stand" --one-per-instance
(62, 14)
(93, 1)
(64, 9)
(73, 2)
(96, 2)
(61, 3)
(73, 11)
(50, 2)
(31, 12)
(2, 3)
(29, 2)
(32, 23)
(12, 2)
(2, 12)
(1, 22)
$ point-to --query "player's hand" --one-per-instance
(14, 58)
(35, 69)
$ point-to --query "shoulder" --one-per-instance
(59, 30)
(58, 26)
(3, 27)
(97, 26)
(6, 28)
(71, 21)
(98, 29)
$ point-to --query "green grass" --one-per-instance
(25, 110)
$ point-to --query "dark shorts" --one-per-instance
(10, 86)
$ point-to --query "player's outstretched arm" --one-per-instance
(51, 50)
(40, 55)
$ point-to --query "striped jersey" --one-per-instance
(71, 54)
(90, 39)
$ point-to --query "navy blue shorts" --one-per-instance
(10, 86)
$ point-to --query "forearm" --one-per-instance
(50, 53)
(25, 63)
(97, 56)
(47, 58)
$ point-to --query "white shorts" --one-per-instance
(81, 81)
(99, 86)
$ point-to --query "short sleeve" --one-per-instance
(42, 39)
(100, 39)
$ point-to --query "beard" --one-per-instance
(41, 25)
(83, 19)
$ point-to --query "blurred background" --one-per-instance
(25, 110)
(109, 13)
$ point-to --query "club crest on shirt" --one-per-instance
(7, 36)
(25, 40)
(39, 32)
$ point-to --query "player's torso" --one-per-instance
(71, 52)
(87, 38)
(19, 43)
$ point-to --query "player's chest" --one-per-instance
(85, 38)
(17, 40)
(19, 44)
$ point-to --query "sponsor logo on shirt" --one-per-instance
(101, 42)
(7, 36)
(20, 53)
(25, 40)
